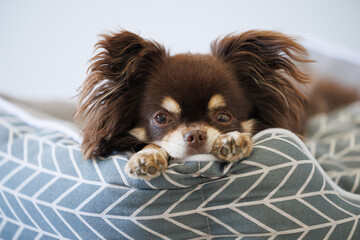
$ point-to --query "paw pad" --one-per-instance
(146, 164)
(232, 146)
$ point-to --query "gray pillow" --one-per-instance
(334, 140)
(47, 191)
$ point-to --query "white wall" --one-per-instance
(45, 45)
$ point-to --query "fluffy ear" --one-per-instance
(264, 63)
(109, 97)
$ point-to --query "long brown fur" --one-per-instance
(328, 95)
(262, 64)
(110, 94)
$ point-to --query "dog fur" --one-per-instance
(137, 96)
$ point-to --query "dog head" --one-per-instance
(136, 93)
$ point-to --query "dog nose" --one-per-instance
(195, 138)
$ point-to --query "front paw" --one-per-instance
(232, 146)
(147, 164)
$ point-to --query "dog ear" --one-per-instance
(109, 97)
(264, 64)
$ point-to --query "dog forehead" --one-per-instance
(189, 78)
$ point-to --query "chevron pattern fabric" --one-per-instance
(47, 191)
(334, 140)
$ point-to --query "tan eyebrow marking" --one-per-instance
(216, 101)
(248, 126)
(139, 133)
(171, 105)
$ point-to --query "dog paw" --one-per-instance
(232, 146)
(147, 164)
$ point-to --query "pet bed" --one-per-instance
(47, 191)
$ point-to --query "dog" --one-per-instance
(137, 96)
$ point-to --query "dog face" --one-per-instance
(188, 102)
(136, 93)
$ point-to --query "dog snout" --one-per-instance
(195, 138)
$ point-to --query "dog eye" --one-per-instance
(162, 118)
(223, 118)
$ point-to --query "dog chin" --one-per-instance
(178, 150)
(192, 151)
(181, 151)
(188, 153)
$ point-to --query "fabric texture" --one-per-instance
(334, 140)
(47, 191)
